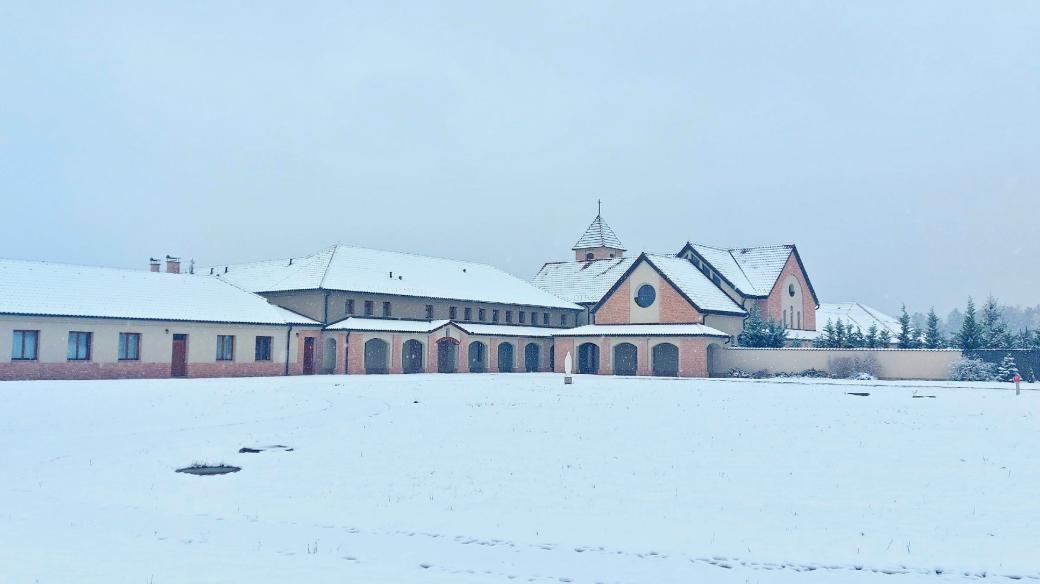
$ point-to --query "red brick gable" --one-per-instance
(771, 306)
(674, 308)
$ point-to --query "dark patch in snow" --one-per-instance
(859, 393)
(206, 470)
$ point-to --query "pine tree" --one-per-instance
(995, 330)
(760, 332)
(906, 334)
(839, 334)
(871, 339)
(855, 339)
(884, 339)
(1008, 369)
(970, 337)
(826, 340)
(933, 337)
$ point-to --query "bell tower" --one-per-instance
(599, 242)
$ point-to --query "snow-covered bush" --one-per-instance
(853, 367)
(1008, 369)
(969, 369)
(738, 373)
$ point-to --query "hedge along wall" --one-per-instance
(1027, 360)
(894, 363)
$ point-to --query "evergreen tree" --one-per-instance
(995, 330)
(826, 340)
(839, 334)
(855, 339)
(884, 339)
(761, 332)
(933, 337)
(871, 339)
(906, 333)
(970, 337)
(1008, 369)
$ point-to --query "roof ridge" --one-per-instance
(324, 274)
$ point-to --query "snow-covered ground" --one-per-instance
(518, 478)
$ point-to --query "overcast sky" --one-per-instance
(897, 144)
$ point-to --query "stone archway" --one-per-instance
(665, 361)
(377, 356)
(506, 357)
(588, 358)
(412, 356)
(477, 355)
(626, 359)
(447, 355)
(714, 360)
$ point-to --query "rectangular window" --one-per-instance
(129, 346)
(467, 313)
(263, 349)
(715, 278)
(521, 316)
(481, 314)
(369, 308)
(225, 348)
(509, 316)
(350, 307)
(453, 312)
(545, 318)
(563, 319)
(429, 312)
(386, 309)
(494, 315)
(79, 346)
(26, 345)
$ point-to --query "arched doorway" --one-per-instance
(477, 357)
(412, 356)
(506, 358)
(714, 359)
(532, 356)
(552, 358)
(666, 360)
(626, 359)
(588, 358)
(376, 356)
(447, 355)
(328, 356)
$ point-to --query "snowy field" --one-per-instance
(517, 478)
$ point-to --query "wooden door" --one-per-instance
(179, 362)
(308, 356)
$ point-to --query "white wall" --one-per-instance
(895, 363)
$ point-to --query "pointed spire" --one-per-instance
(599, 234)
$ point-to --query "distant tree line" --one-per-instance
(975, 332)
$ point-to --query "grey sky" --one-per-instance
(898, 144)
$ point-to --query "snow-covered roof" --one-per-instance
(388, 325)
(598, 234)
(358, 269)
(588, 282)
(504, 330)
(850, 313)
(581, 282)
(694, 284)
(751, 270)
(53, 289)
(641, 330)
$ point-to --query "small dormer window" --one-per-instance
(589, 256)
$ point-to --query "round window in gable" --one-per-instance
(790, 290)
(646, 295)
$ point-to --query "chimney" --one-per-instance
(153, 264)
(173, 265)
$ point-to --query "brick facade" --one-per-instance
(772, 306)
